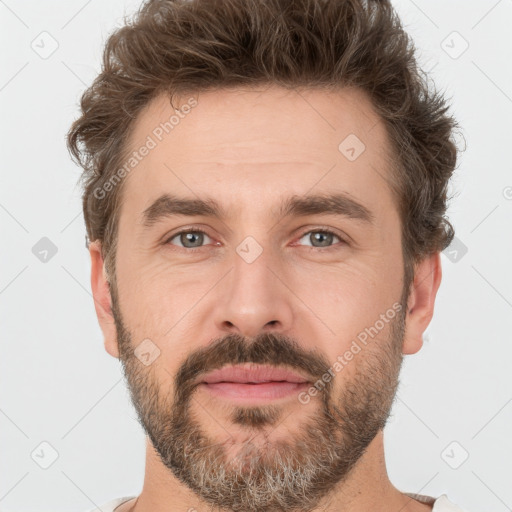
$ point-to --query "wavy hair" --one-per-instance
(187, 46)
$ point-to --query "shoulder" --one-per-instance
(443, 504)
(111, 505)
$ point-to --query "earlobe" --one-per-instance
(420, 306)
(102, 299)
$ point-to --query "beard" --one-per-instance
(293, 472)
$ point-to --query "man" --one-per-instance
(264, 192)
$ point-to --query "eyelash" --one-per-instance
(199, 230)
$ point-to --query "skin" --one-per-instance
(248, 149)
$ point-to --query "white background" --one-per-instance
(59, 385)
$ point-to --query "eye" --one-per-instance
(192, 239)
(322, 237)
(189, 238)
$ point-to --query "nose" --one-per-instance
(254, 297)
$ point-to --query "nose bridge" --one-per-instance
(254, 297)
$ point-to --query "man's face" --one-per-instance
(299, 292)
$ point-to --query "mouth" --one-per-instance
(249, 383)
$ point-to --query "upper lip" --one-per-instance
(252, 374)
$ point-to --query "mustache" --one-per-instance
(233, 349)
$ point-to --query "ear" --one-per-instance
(420, 305)
(102, 299)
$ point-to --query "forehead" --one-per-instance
(252, 146)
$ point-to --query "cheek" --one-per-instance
(163, 303)
(352, 290)
(344, 303)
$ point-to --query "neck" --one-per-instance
(366, 489)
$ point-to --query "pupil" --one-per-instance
(319, 235)
(190, 236)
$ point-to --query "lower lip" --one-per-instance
(251, 392)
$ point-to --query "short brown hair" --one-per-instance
(178, 46)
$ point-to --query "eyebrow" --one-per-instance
(168, 205)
